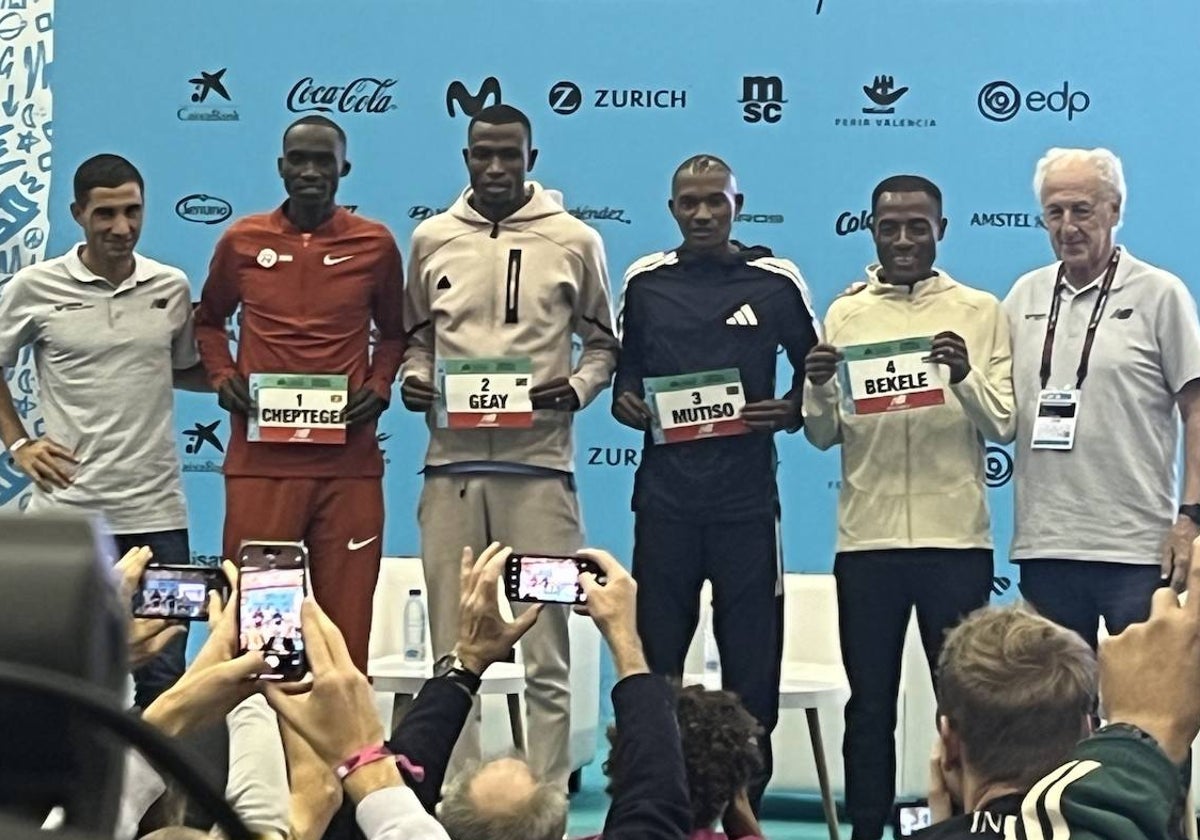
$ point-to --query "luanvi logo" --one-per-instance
(472, 103)
(203, 209)
(202, 109)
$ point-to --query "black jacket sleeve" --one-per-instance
(630, 370)
(427, 736)
(652, 802)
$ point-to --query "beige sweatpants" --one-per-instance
(533, 515)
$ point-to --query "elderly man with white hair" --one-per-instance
(1106, 350)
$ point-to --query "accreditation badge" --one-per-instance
(890, 376)
(295, 408)
(484, 393)
(1057, 413)
(695, 406)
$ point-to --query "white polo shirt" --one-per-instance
(1112, 498)
(104, 360)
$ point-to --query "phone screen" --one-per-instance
(914, 818)
(174, 593)
(269, 619)
(555, 580)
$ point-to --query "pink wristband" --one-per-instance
(379, 752)
(365, 756)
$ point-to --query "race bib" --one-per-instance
(890, 376)
(484, 393)
(693, 406)
(1054, 427)
(294, 408)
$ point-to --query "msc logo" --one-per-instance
(762, 99)
(1000, 101)
(203, 209)
(471, 104)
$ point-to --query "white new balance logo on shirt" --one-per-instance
(744, 317)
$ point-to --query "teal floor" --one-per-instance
(787, 817)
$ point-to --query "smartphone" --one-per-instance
(911, 817)
(272, 584)
(179, 593)
(547, 578)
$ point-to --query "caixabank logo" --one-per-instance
(567, 98)
(210, 100)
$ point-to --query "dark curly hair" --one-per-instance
(720, 750)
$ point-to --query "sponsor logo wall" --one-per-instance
(811, 117)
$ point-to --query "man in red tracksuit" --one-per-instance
(310, 278)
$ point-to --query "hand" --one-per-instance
(738, 819)
(216, 682)
(821, 363)
(484, 636)
(613, 607)
(771, 415)
(417, 394)
(316, 791)
(945, 782)
(129, 570)
(950, 350)
(632, 410)
(147, 637)
(1177, 552)
(337, 716)
(43, 460)
(234, 395)
(1150, 673)
(364, 406)
(555, 395)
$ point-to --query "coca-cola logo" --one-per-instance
(365, 95)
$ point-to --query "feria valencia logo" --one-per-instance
(364, 95)
(203, 209)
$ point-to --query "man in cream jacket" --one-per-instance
(505, 279)
(915, 373)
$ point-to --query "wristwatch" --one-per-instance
(1192, 512)
(452, 668)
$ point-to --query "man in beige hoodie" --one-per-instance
(915, 373)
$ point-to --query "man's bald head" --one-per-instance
(503, 800)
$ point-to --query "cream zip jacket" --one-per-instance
(915, 478)
(519, 287)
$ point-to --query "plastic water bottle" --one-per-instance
(414, 627)
(712, 657)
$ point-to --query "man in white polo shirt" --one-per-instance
(111, 332)
(1106, 358)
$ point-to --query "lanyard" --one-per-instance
(1093, 323)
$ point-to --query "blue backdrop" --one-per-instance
(794, 94)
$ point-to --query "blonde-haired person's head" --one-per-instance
(1015, 694)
